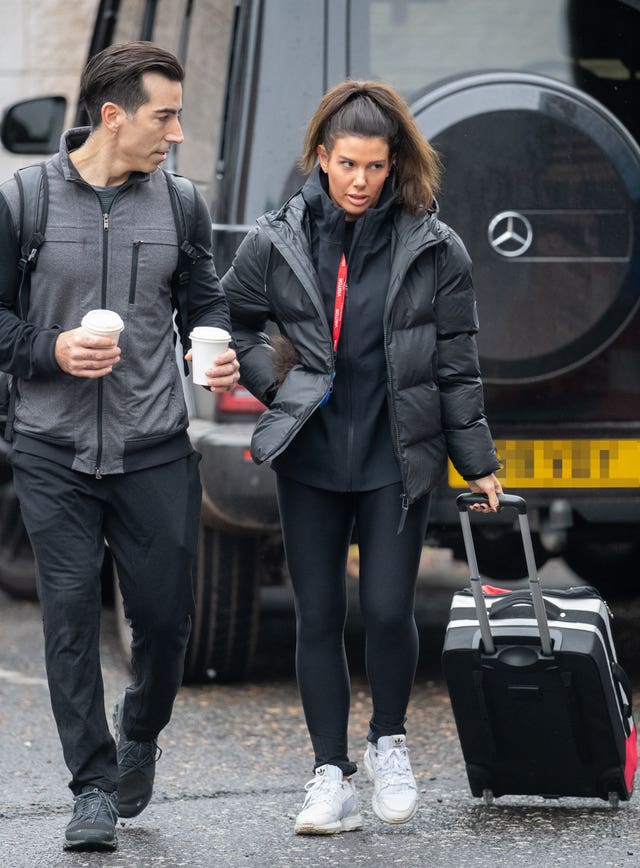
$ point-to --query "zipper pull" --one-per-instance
(105, 222)
(98, 474)
(404, 510)
(328, 393)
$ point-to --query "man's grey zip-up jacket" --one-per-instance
(136, 416)
(434, 391)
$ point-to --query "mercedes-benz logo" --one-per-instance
(510, 234)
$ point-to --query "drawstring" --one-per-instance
(404, 510)
(267, 271)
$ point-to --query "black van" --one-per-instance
(533, 108)
(534, 111)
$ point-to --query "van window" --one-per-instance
(590, 44)
(185, 28)
(413, 43)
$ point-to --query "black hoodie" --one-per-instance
(346, 445)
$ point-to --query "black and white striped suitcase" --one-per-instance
(541, 704)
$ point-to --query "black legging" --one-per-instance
(317, 527)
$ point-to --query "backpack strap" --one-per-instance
(33, 187)
(182, 193)
(33, 190)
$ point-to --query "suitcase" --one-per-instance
(541, 704)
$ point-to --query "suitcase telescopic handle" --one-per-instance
(463, 502)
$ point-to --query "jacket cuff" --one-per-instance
(44, 353)
(481, 475)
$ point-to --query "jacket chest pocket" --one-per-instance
(64, 252)
(68, 268)
(154, 257)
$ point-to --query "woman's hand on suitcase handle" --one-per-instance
(490, 486)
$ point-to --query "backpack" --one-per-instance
(33, 188)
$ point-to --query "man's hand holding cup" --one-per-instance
(213, 363)
(91, 350)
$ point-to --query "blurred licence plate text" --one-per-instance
(565, 464)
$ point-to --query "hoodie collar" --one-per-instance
(417, 231)
(410, 232)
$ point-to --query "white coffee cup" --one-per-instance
(106, 323)
(207, 343)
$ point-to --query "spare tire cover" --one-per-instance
(543, 185)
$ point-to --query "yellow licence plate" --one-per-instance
(564, 464)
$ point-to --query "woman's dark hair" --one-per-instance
(115, 75)
(368, 109)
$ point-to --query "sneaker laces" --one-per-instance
(321, 790)
(394, 769)
(88, 805)
(137, 754)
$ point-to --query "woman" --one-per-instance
(373, 297)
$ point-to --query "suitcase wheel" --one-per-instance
(487, 795)
(614, 799)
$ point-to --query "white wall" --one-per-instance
(43, 47)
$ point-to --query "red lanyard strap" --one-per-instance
(338, 310)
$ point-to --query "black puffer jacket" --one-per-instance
(433, 379)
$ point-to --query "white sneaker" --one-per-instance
(331, 805)
(395, 795)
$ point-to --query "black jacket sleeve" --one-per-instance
(26, 350)
(245, 285)
(207, 304)
(465, 427)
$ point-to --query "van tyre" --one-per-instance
(227, 596)
(226, 586)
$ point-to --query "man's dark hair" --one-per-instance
(115, 75)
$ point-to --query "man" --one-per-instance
(100, 446)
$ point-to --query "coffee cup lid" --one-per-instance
(104, 320)
(209, 333)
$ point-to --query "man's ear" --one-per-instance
(111, 115)
(323, 156)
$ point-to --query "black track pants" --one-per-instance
(317, 527)
(150, 520)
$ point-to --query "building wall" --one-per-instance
(45, 44)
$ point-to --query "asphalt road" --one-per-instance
(230, 781)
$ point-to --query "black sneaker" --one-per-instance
(93, 825)
(136, 767)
